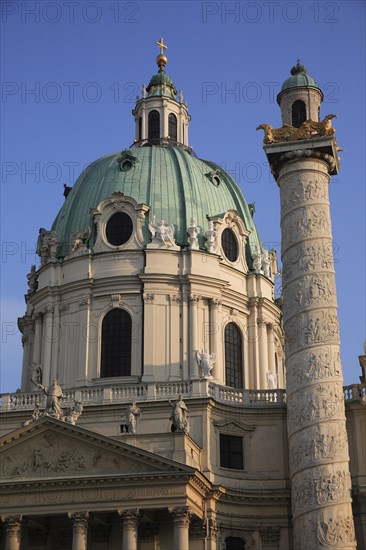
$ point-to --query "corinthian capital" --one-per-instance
(181, 515)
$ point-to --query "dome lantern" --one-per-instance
(160, 118)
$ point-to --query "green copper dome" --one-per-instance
(175, 185)
(299, 79)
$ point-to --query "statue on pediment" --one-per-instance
(54, 395)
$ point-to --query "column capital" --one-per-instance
(195, 298)
(215, 302)
(129, 517)
(80, 518)
(13, 524)
(181, 515)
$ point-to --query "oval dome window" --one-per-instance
(229, 245)
(119, 229)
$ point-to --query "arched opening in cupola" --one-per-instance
(298, 113)
(154, 125)
(173, 128)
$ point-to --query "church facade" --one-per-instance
(155, 411)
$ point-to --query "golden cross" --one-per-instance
(161, 45)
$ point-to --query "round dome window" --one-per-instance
(229, 245)
(119, 229)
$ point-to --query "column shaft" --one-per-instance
(321, 487)
(181, 527)
(129, 522)
(79, 530)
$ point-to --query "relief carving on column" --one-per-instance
(324, 446)
(327, 488)
(307, 258)
(305, 330)
(306, 222)
(316, 366)
(181, 515)
(299, 190)
(312, 290)
(320, 404)
(339, 530)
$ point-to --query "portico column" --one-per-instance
(194, 299)
(13, 528)
(263, 353)
(79, 530)
(181, 527)
(129, 522)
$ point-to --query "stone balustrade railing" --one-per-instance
(19, 401)
(354, 391)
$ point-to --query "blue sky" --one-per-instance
(71, 70)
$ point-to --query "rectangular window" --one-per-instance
(231, 452)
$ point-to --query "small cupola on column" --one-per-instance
(160, 118)
(300, 97)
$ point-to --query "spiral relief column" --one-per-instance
(321, 486)
(302, 155)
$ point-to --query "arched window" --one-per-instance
(298, 113)
(140, 129)
(172, 121)
(116, 344)
(154, 125)
(233, 356)
(234, 543)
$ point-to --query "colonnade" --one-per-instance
(80, 523)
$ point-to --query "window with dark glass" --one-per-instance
(298, 113)
(140, 129)
(229, 245)
(154, 125)
(231, 452)
(119, 229)
(233, 356)
(172, 121)
(234, 543)
(116, 344)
